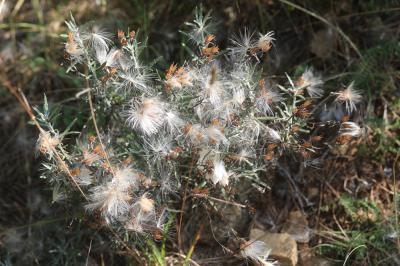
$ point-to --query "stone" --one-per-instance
(317, 262)
(297, 226)
(283, 246)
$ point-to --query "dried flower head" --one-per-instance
(265, 98)
(73, 48)
(311, 82)
(89, 157)
(350, 129)
(216, 136)
(210, 52)
(47, 143)
(350, 97)
(195, 133)
(177, 78)
(264, 43)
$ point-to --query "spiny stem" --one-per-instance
(17, 92)
(89, 94)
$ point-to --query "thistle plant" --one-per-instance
(211, 122)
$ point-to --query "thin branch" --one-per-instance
(179, 226)
(89, 94)
(347, 38)
(219, 200)
(17, 92)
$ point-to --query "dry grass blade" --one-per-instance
(89, 95)
(219, 200)
(191, 249)
(396, 211)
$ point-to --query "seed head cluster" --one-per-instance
(214, 121)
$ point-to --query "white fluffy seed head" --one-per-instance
(47, 143)
(73, 48)
(266, 98)
(158, 148)
(257, 251)
(219, 174)
(243, 155)
(168, 186)
(110, 200)
(85, 177)
(213, 89)
(254, 249)
(142, 215)
(96, 38)
(173, 123)
(108, 58)
(5, 8)
(195, 133)
(249, 131)
(350, 97)
(238, 96)
(174, 83)
(147, 115)
(133, 78)
(216, 136)
(146, 204)
(125, 178)
(311, 82)
(264, 43)
(350, 129)
(273, 135)
(242, 43)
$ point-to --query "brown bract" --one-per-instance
(121, 38)
(209, 52)
(177, 77)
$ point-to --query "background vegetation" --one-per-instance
(354, 215)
